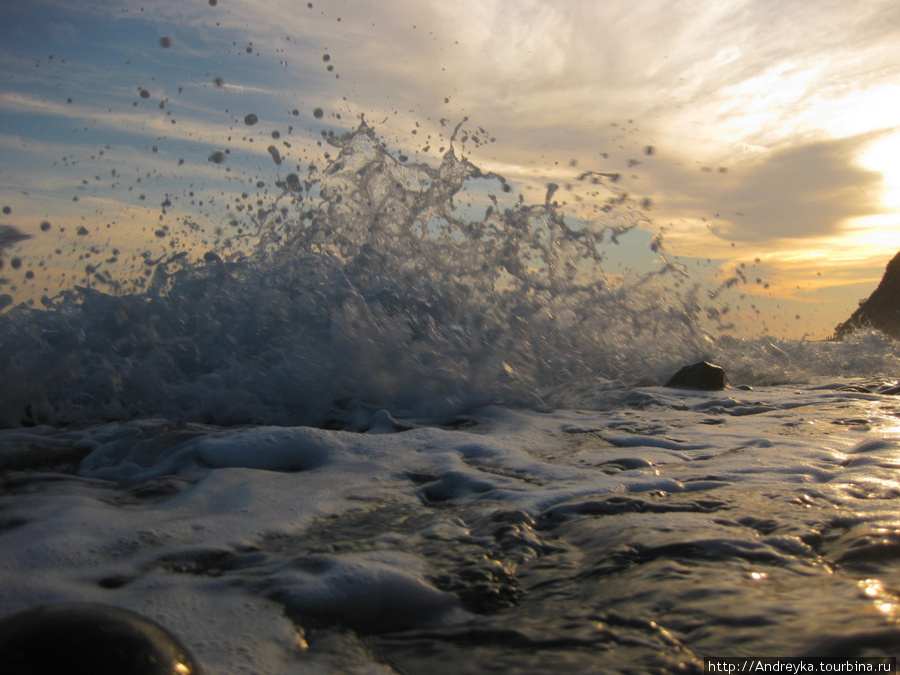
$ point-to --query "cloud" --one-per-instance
(135, 127)
(774, 199)
(805, 191)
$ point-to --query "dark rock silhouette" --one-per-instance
(701, 375)
(881, 310)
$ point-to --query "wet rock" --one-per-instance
(701, 375)
(881, 310)
(87, 637)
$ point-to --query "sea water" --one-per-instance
(400, 434)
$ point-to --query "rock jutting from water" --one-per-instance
(701, 375)
(881, 310)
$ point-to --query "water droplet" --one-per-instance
(318, 113)
(251, 119)
(165, 42)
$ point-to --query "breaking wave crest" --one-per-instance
(369, 285)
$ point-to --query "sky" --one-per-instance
(759, 135)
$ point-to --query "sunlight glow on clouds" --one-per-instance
(884, 157)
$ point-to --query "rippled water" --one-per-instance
(669, 527)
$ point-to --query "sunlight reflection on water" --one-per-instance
(885, 600)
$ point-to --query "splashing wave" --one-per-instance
(368, 285)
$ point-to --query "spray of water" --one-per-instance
(367, 285)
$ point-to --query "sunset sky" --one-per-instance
(764, 133)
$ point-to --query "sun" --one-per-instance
(883, 156)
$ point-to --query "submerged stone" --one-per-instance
(701, 375)
(86, 637)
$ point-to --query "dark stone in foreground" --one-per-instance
(701, 375)
(89, 638)
(881, 310)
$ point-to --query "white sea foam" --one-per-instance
(238, 538)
